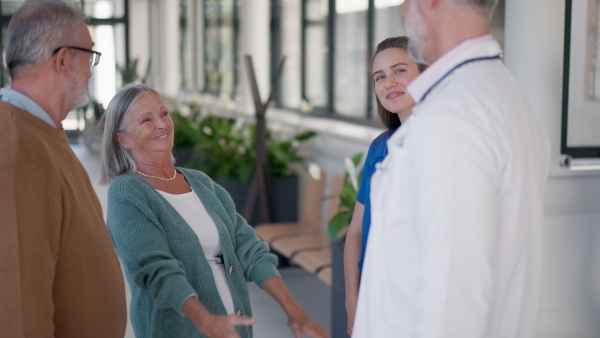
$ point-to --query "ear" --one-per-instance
(61, 61)
(122, 139)
(431, 4)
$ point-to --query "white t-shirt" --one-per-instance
(189, 206)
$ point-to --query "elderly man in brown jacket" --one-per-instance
(59, 274)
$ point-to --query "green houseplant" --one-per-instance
(338, 225)
(224, 149)
(337, 228)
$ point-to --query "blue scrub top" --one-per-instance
(377, 152)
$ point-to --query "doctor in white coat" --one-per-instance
(455, 248)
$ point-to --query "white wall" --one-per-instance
(571, 289)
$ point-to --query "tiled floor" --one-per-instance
(312, 294)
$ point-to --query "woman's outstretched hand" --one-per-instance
(211, 325)
(214, 326)
(300, 324)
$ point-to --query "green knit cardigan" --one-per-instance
(164, 263)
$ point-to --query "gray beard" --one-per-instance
(413, 50)
(82, 98)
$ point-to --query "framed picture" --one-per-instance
(581, 80)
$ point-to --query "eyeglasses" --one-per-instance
(94, 56)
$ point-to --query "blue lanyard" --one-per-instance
(499, 56)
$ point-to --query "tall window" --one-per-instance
(289, 93)
(186, 43)
(7, 9)
(220, 46)
(315, 52)
(328, 50)
(351, 56)
(387, 20)
(108, 26)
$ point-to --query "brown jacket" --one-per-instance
(59, 274)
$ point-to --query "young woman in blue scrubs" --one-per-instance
(392, 70)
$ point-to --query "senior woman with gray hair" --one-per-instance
(187, 254)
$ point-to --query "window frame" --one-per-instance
(235, 49)
(91, 21)
(328, 111)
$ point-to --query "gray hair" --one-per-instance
(484, 7)
(37, 28)
(114, 158)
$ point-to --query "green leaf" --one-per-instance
(338, 223)
(222, 150)
(356, 159)
(305, 135)
(347, 197)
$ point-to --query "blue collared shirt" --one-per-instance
(19, 100)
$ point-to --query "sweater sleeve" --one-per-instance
(143, 247)
(252, 253)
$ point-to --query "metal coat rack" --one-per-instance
(261, 182)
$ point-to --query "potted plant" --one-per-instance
(338, 224)
(223, 148)
(337, 228)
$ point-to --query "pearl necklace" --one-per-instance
(159, 178)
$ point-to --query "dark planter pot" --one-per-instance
(339, 317)
(284, 199)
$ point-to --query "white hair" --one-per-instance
(484, 7)
(37, 29)
(114, 158)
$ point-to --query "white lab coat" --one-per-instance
(455, 246)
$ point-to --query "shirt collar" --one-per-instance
(21, 101)
(476, 47)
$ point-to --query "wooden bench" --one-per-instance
(325, 275)
(310, 221)
(313, 252)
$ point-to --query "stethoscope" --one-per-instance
(483, 58)
(403, 132)
(413, 116)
